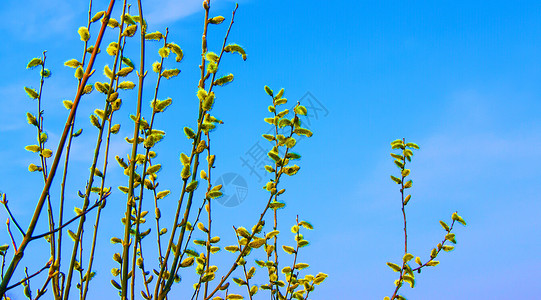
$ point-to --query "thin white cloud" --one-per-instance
(168, 11)
(36, 19)
(171, 10)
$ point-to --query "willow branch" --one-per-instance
(20, 253)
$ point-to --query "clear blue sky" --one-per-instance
(460, 78)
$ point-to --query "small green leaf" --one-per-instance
(407, 199)
(94, 120)
(216, 20)
(170, 73)
(72, 235)
(176, 50)
(153, 169)
(448, 248)
(232, 48)
(303, 131)
(34, 62)
(31, 119)
(163, 194)
(97, 16)
(300, 110)
(432, 263)
(224, 80)
(409, 279)
(394, 267)
(72, 63)
(31, 93)
(46, 153)
(156, 36)
(268, 91)
(33, 148)
(128, 62)
(126, 85)
(407, 257)
(288, 249)
(408, 184)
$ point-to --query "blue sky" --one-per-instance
(460, 78)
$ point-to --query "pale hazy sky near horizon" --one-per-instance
(459, 78)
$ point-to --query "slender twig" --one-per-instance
(11, 215)
(56, 288)
(94, 162)
(208, 207)
(145, 165)
(84, 288)
(29, 277)
(243, 267)
(40, 130)
(43, 289)
(224, 44)
(11, 236)
(294, 260)
(438, 251)
(98, 203)
(131, 201)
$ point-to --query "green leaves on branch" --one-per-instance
(176, 50)
(128, 62)
(130, 31)
(160, 105)
(170, 73)
(224, 80)
(97, 16)
(31, 93)
(269, 91)
(34, 62)
(72, 63)
(407, 257)
(406, 273)
(31, 119)
(456, 217)
(154, 36)
(394, 267)
(232, 48)
(126, 85)
(216, 20)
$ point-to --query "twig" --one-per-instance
(5, 202)
(57, 290)
(130, 203)
(98, 203)
(11, 236)
(29, 277)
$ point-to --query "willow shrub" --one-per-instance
(136, 275)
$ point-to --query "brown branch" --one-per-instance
(29, 277)
(5, 202)
(98, 203)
